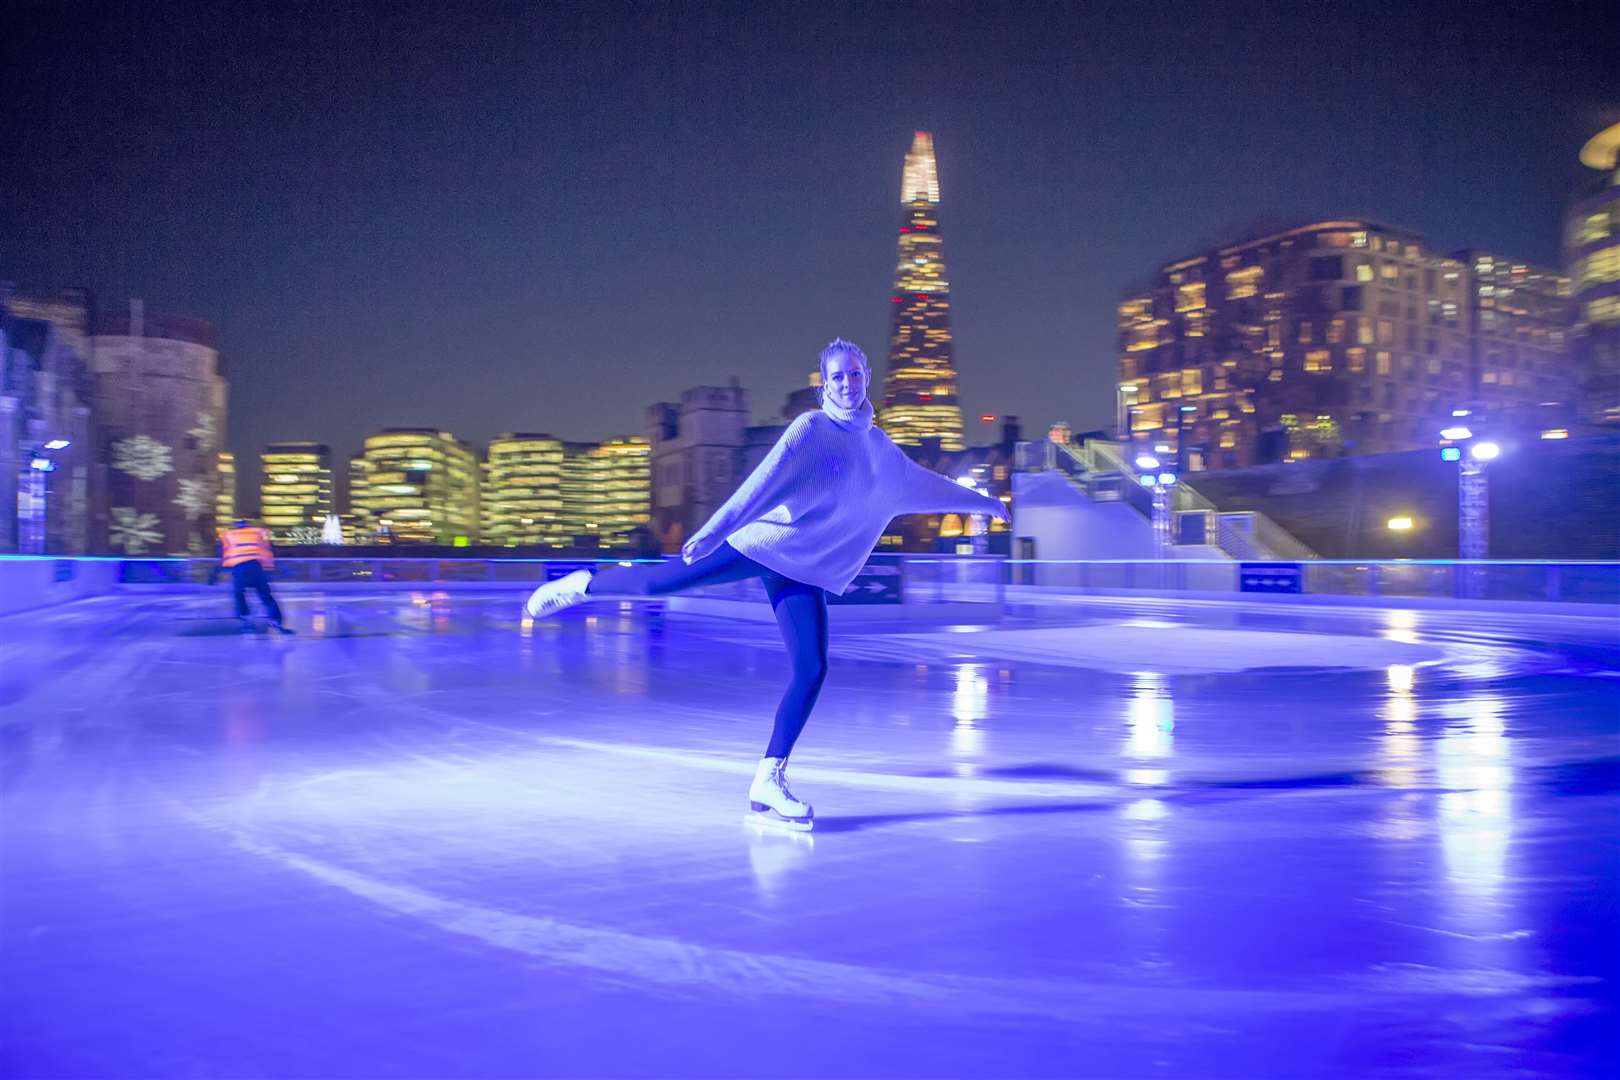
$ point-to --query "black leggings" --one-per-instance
(250, 575)
(801, 613)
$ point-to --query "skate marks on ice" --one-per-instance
(672, 966)
(1018, 790)
(857, 778)
(1134, 646)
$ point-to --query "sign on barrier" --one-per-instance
(1271, 577)
(873, 585)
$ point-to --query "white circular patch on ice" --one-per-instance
(1177, 650)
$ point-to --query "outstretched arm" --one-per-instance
(924, 491)
(758, 495)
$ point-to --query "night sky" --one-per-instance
(545, 217)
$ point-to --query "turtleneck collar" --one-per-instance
(849, 419)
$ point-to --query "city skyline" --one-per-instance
(492, 221)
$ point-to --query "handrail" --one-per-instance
(1265, 539)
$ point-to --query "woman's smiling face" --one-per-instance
(843, 380)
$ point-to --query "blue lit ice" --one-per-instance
(1107, 837)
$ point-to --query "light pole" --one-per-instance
(976, 525)
(1124, 398)
(1473, 496)
(1474, 501)
(1158, 485)
(40, 464)
(1181, 439)
(1473, 493)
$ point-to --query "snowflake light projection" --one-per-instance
(205, 432)
(196, 497)
(132, 530)
(142, 457)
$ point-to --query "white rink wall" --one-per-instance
(28, 582)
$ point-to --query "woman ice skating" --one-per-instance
(804, 523)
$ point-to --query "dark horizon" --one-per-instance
(546, 221)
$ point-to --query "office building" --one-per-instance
(1592, 256)
(295, 491)
(606, 492)
(415, 486)
(1336, 337)
(521, 500)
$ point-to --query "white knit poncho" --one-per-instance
(820, 500)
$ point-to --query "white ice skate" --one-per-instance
(558, 595)
(771, 803)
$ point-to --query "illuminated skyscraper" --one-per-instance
(415, 486)
(522, 494)
(296, 493)
(919, 392)
(1592, 253)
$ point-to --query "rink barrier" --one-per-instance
(30, 582)
(1446, 581)
(975, 582)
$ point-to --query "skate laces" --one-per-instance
(779, 777)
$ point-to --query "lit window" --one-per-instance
(1598, 268)
(1358, 360)
(1384, 363)
(1319, 360)
(1243, 283)
(1364, 332)
(1389, 271)
(1605, 309)
(1305, 333)
(1364, 272)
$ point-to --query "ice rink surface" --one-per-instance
(1102, 838)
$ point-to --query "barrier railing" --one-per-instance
(1572, 581)
(1242, 534)
(891, 578)
(926, 579)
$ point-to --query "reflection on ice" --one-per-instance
(970, 700)
(1400, 626)
(1150, 715)
(1400, 746)
(1474, 758)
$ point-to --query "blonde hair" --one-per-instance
(839, 346)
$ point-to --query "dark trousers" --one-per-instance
(250, 575)
(801, 614)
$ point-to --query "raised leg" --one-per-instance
(724, 564)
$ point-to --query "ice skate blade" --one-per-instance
(770, 819)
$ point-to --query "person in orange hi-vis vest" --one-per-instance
(245, 551)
